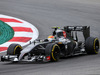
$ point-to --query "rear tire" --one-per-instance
(14, 49)
(92, 45)
(53, 50)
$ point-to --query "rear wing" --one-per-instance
(84, 29)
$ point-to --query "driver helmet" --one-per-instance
(61, 33)
(51, 38)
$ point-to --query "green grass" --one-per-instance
(6, 32)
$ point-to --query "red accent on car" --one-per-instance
(64, 33)
(48, 57)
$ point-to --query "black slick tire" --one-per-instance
(14, 49)
(92, 45)
(53, 50)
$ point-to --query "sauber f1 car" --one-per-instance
(62, 43)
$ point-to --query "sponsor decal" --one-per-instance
(48, 57)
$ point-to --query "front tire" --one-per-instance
(53, 50)
(92, 45)
(14, 49)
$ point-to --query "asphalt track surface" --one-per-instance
(47, 13)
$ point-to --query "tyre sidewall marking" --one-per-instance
(16, 48)
(94, 45)
(53, 51)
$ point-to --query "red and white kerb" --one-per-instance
(23, 31)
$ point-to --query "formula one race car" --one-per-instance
(62, 43)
